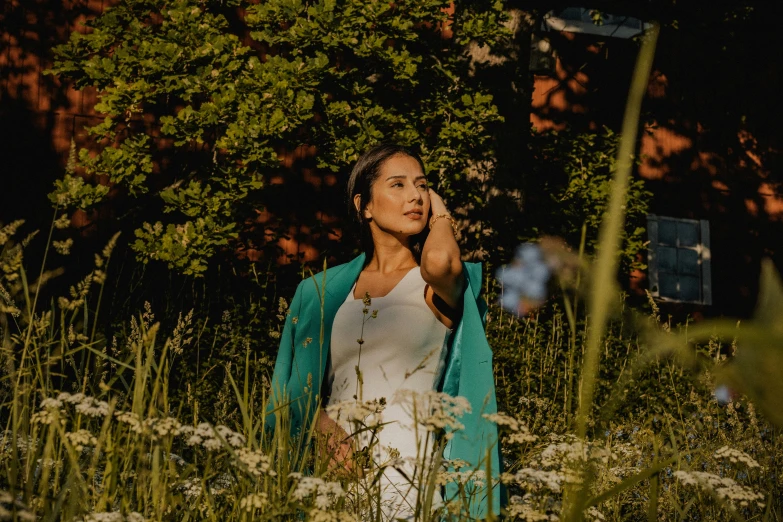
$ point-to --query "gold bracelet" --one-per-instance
(436, 217)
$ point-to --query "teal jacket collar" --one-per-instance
(304, 349)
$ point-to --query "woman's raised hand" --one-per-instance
(436, 204)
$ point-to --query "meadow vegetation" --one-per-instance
(168, 424)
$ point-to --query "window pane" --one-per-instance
(667, 232)
(668, 286)
(689, 288)
(688, 262)
(688, 234)
(571, 13)
(667, 259)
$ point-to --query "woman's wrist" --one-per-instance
(445, 217)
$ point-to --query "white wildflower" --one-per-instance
(191, 488)
(367, 413)
(84, 404)
(80, 439)
(257, 463)
(434, 410)
(536, 479)
(210, 438)
(70, 398)
(736, 456)
(519, 431)
(231, 437)
(456, 464)
(50, 464)
(570, 450)
(477, 477)
(93, 407)
(325, 493)
(165, 426)
(521, 437)
(131, 419)
(47, 416)
(724, 487)
(501, 419)
(254, 501)
(50, 411)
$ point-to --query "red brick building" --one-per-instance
(717, 207)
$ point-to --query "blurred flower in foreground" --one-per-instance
(524, 281)
(723, 394)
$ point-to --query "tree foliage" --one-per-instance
(202, 100)
(573, 173)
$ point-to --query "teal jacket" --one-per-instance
(304, 348)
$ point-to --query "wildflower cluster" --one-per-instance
(723, 487)
(736, 456)
(51, 408)
(211, 437)
(254, 501)
(191, 489)
(81, 438)
(478, 478)
(435, 411)
(519, 433)
(366, 413)
(153, 428)
(255, 462)
(204, 434)
(323, 494)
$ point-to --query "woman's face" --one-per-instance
(400, 200)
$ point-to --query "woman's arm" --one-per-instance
(441, 267)
(337, 443)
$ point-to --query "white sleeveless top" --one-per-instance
(402, 349)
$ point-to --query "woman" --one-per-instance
(428, 332)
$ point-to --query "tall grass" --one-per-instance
(94, 428)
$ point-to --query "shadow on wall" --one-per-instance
(38, 115)
(713, 150)
(712, 144)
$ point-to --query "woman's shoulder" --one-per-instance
(312, 285)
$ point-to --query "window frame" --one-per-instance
(702, 249)
(611, 28)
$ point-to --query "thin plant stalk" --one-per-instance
(609, 238)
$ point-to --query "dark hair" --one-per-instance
(363, 175)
